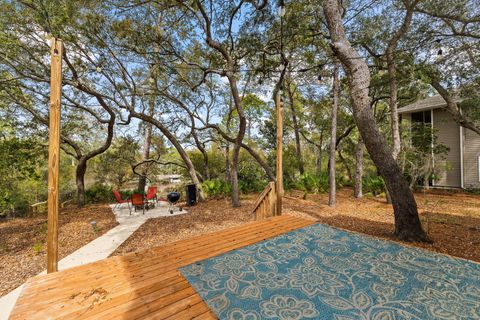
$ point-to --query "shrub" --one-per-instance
(312, 183)
(37, 247)
(216, 188)
(251, 178)
(473, 190)
(373, 184)
(99, 193)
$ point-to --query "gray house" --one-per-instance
(461, 166)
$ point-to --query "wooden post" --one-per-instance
(279, 167)
(54, 153)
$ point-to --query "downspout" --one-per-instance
(461, 159)
(432, 146)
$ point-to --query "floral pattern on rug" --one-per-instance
(320, 272)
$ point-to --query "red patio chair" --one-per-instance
(138, 200)
(121, 201)
(152, 194)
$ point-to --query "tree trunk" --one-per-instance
(392, 76)
(80, 181)
(148, 131)
(358, 192)
(407, 222)
(142, 181)
(452, 106)
(201, 147)
(298, 146)
(393, 106)
(333, 137)
(228, 177)
(318, 164)
(207, 169)
(238, 141)
(345, 164)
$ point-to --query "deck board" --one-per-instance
(140, 285)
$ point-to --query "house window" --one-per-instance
(422, 130)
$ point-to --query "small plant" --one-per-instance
(373, 184)
(38, 247)
(473, 190)
(312, 183)
(99, 193)
(95, 227)
(44, 228)
(216, 188)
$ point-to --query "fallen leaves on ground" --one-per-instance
(23, 243)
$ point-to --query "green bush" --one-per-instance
(99, 193)
(317, 184)
(216, 188)
(373, 184)
(251, 177)
(473, 190)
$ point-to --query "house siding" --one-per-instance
(470, 159)
(448, 133)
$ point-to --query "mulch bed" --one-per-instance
(452, 220)
(23, 241)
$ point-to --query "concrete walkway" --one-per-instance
(100, 248)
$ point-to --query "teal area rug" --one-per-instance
(320, 272)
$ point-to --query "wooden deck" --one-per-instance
(141, 285)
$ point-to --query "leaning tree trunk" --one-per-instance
(238, 141)
(80, 181)
(333, 138)
(407, 222)
(142, 181)
(177, 145)
(358, 190)
(392, 75)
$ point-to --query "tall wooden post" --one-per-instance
(54, 153)
(279, 169)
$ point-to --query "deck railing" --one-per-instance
(266, 204)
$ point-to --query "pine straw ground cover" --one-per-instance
(452, 220)
(23, 241)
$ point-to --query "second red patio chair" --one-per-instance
(152, 194)
(138, 200)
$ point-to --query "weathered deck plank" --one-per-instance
(141, 285)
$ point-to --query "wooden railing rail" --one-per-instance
(266, 204)
(39, 207)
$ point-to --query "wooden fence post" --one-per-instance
(279, 167)
(54, 153)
